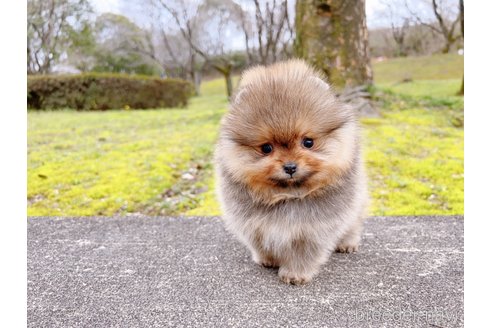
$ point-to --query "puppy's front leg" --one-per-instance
(349, 243)
(301, 262)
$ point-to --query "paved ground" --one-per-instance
(188, 272)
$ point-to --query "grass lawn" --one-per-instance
(435, 67)
(157, 162)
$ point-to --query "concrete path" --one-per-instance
(189, 272)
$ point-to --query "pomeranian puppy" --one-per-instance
(289, 171)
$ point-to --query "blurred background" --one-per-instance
(125, 97)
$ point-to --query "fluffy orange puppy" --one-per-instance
(290, 176)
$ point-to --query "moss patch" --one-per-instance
(415, 162)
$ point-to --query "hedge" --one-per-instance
(105, 91)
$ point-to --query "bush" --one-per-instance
(105, 91)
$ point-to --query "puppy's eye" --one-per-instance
(308, 142)
(266, 148)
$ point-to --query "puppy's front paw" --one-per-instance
(347, 248)
(294, 278)
(269, 263)
(266, 261)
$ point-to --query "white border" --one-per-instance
(478, 162)
(13, 127)
(13, 180)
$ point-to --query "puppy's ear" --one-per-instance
(248, 77)
(236, 99)
(251, 75)
(319, 82)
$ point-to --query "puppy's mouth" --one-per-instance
(291, 182)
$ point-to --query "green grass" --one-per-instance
(414, 159)
(425, 88)
(434, 76)
(436, 67)
(105, 163)
(118, 162)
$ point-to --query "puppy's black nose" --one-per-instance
(290, 168)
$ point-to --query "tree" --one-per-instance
(332, 35)
(80, 52)
(399, 21)
(168, 49)
(220, 22)
(399, 33)
(175, 56)
(446, 17)
(206, 26)
(461, 92)
(268, 30)
(121, 46)
(179, 19)
(113, 44)
(50, 25)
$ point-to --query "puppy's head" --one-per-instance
(286, 135)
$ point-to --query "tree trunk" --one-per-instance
(461, 92)
(228, 79)
(192, 70)
(332, 35)
(226, 70)
(447, 46)
(197, 81)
